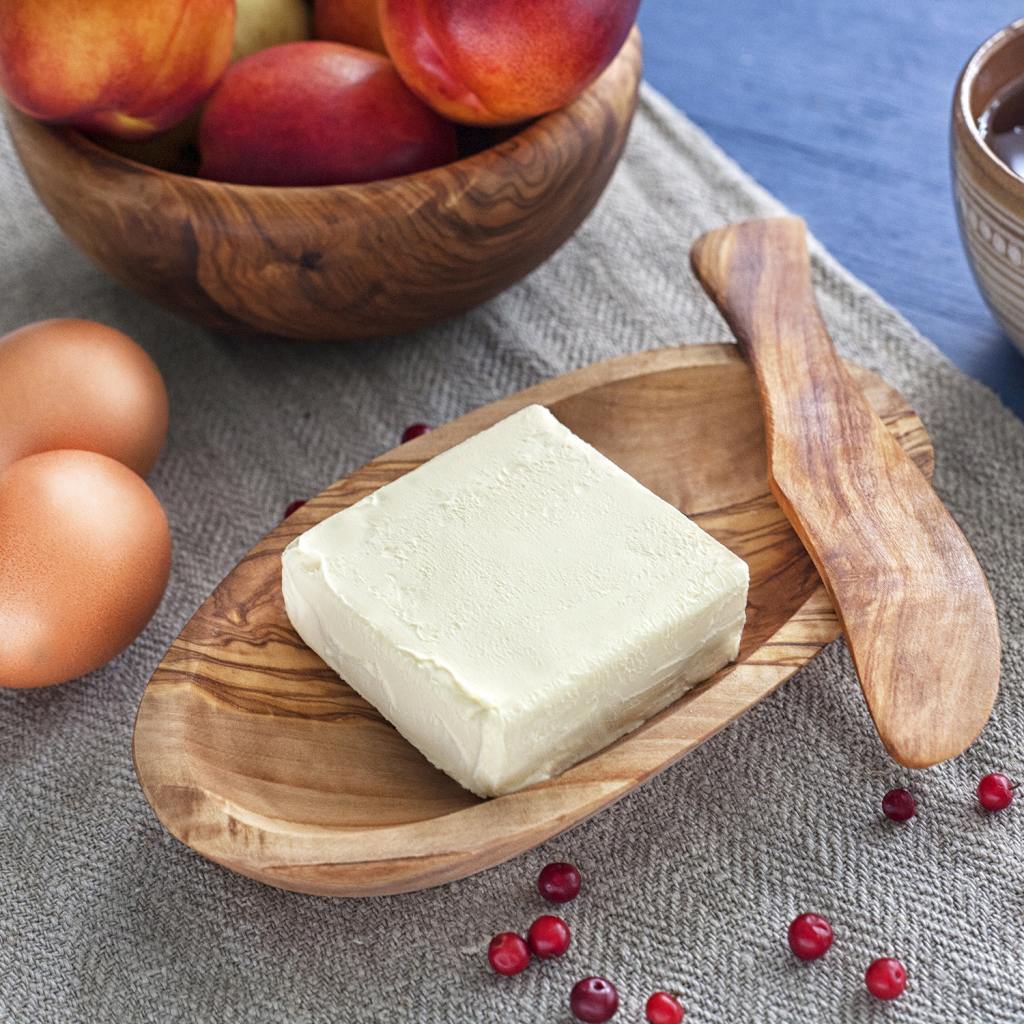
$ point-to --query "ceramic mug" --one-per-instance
(989, 196)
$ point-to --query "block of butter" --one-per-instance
(516, 603)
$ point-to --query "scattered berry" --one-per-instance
(899, 805)
(810, 936)
(548, 936)
(508, 953)
(413, 431)
(594, 1000)
(294, 507)
(995, 792)
(663, 1008)
(886, 978)
(559, 883)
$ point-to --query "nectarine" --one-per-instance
(318, 113)
(120, 67)
(492, 62)
(260, 24)
(348, 21)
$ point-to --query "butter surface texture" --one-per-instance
(516, 603)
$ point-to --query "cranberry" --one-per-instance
(594, 1000)
(413, 431)
(899, 805)
(810, 936)
(995, 792)
(294, 507)
(559, 883)
(886, 978)
(548, 936)
(663, 1008)
(508, 953)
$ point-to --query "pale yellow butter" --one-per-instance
(517, 603)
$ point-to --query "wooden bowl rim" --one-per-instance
(533, 132)
(964, 116)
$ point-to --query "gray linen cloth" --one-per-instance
(691, 881)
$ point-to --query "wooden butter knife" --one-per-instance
(911, 598)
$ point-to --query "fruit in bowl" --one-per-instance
(317, 113)
(296, 112)
(388, 227)
(504, 60)
(355, 22)
(119, 67)
(260, 24)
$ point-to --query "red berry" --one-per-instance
(294, 506)
(663, 1008)
(899, 805)
(508, 953)
(594, 1000)
(995, 792)
(559, 883)
(548, 936)
(413, 431)
(886, 978)
(810, 936)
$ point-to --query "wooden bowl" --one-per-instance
(255, 754)
(989, 196)
(346, 261)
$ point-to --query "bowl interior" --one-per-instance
(693, 435)
(996, 64)
(472, 143)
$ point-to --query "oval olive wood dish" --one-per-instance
(254, 753)
(345, 261)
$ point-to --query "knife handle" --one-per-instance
(758, 274)
(910, 595)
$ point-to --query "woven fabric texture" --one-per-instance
(691, 881)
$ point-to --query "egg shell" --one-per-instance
(85, 553)
(80, 385)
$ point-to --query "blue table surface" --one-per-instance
(842, 111)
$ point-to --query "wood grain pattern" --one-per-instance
(914, 603)
(252, 751)
(348, 261)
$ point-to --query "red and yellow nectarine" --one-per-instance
(349, 21)
(318, 113)
(492, 62)
(121, 67)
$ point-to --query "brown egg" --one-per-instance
(85, 552)
(82, 385)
